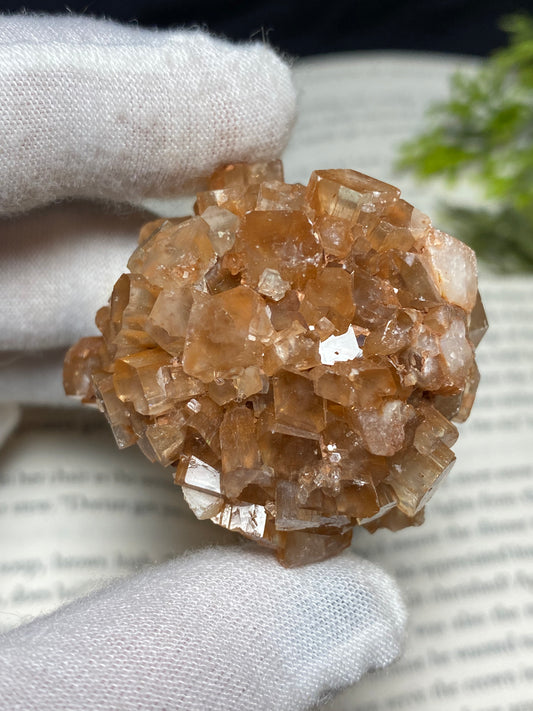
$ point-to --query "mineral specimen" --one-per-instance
(296, 353)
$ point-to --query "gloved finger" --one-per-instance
(219, 629)
(91, 108)
(57, 267)
(34, 378)
(9, 419)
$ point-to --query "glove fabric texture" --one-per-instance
(225, 628)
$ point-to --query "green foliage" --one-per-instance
(485, 131)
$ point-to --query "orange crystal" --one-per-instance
(297, 353)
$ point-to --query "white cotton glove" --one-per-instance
(91, 109)
(227, 629)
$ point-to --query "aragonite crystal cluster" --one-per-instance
(297, 353)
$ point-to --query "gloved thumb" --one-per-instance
(224, 628)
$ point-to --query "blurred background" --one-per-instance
(305, 28)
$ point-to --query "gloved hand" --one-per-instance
(95, 110)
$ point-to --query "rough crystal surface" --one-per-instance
(297, 353)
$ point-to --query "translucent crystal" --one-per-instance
(434, 427)
(293, 347)
(275, 195)
(335, 384)
(383, 429)
(358, 498)
(239, 174)
(220, 278)
(166, 436)
(235, 187)
(151, 228)
(202, 504)
(223, 225)
(222, 391)
(296, 352)
(139, 379)
(176, 255)
(249, 382)
(394, 520)
(457, 406)
(293, 515)
(376, 300)
(454, 267)
(284, 312)
(272, 285)
(415, 476)
(248, 519)
(342, 193)
(221, 339)
(131, 301)
(410, 275)
(167, 320)
(469, 394)
(118, 413)
(281, 240)
(239, 199)
(329, 296)
(238, 440)
(385, 502)
(85, 357)
(336, 235)
(302, 547)
(478, 322)
(285, 453)
(197, 474)
(255, 485)
(296, 404)
(416, 472)
(384, 236)
(392, 336)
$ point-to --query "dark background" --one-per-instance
(315, 27)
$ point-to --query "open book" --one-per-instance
(74, 511)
